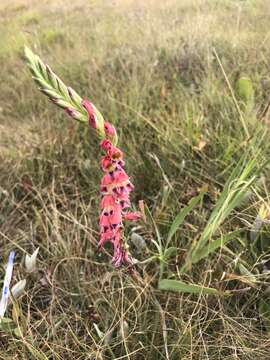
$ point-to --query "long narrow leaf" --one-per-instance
(181, 216)
(235, 189)
(214, 245)
(179, 286)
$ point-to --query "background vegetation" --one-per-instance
(166, 73)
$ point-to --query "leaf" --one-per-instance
(182, 214)
(240, 180)
(170, 252)
(179, 286)
(18, 316)
(214, 245)
(31, 261)
(38, 354)
(17, 332)
(7, 324)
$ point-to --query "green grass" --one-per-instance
(166, 74)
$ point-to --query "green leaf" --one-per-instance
(7, 324)
(179, 286)
(171, 251)
(182, 214)
(17, 332)
(213, 246)
(239, 182)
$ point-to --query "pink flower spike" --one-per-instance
(115, 190)
(132, 216)
(90, 111)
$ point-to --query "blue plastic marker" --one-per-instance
(7, 280)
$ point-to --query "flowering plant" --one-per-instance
(115, 184)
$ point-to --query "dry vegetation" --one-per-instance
(159, 70)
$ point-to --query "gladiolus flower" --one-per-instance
(115, 189)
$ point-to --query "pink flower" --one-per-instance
(104, 237)
(106, 180)
(120, 175)
(107, 201)
(106, 163)
(114, 153)
(133, 216)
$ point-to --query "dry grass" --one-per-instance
(150, 67)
